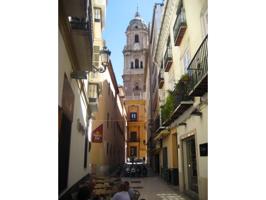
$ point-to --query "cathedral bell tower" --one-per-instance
(135, 57)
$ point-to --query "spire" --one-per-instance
(137, 13)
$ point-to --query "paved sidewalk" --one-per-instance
(154, 188)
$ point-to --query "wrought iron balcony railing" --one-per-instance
(198, 71)
(79, 24)
(133, 140)
(178, 102)
(168, 59)
(180, 26)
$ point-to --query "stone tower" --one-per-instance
(135, 61)
(135, 58)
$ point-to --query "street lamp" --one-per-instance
(104, 54)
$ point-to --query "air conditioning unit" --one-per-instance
(93, 96)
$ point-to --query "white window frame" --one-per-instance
(97, 14)
(186, 58)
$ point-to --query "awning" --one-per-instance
(163, 133)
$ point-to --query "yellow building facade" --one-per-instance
(108, 128)
(109, 121)
(136, 129)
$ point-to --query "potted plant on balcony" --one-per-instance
(181, 89)
(168, 107)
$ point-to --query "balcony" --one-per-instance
(177, 102)
(75, 24)
(157, 125)
(161, 78)
(180, 26)
(141, 96)
(168, 59)
(198, 71)
(133, 140)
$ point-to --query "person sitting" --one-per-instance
(122, 194)
(130, 190)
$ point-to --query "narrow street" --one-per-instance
(133, 99)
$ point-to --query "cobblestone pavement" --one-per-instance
(154, 188)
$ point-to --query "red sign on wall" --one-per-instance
(97, 135)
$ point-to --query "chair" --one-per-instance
(136, 195)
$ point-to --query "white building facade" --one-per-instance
(181, 54)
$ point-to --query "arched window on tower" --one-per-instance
(132, 65)
(136, 63)
(136, 86)
(136, 38)
(141, 64)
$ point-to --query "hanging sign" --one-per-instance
(97, 135)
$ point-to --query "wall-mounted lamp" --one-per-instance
(104, 55)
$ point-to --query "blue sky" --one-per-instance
(118, 15)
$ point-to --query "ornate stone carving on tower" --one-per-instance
(135, 58)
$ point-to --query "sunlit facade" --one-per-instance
(179, 134)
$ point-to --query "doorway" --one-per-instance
(165, 164)
(157, 163)
(190, 166)
(63, 150)
(65, 123)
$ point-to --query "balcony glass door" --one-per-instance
(133, 151)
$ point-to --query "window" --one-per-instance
(97, 14)
(168, 41)
(137, 63)
(141, 64)
(161, 65)
(133, 151)
(136, 38)
(132, 65)
(96, 54)
(186, 59)
(136, 86)
(133, 116)
(133, 136)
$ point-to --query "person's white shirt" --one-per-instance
(121, 196)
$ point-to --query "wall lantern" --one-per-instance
(104, 55)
